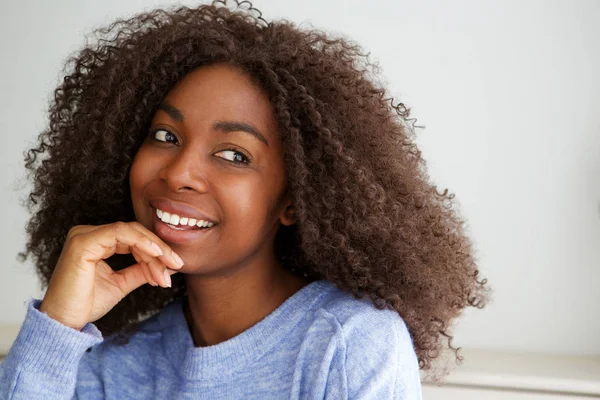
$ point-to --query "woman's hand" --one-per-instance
(84, 288)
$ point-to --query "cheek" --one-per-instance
(139, 175)
(135, 177)
(248, 202)
(142, 164)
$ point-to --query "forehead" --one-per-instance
(222, 93)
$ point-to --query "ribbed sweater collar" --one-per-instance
(222, 360)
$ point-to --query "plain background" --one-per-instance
(508, 92)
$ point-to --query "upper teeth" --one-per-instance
(175, 219)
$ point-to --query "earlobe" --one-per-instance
(289, 216)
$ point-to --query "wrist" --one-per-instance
(44, 309)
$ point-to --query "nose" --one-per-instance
(184, 171)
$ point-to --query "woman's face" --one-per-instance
(193, 164)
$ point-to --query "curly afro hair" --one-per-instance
(368, 219)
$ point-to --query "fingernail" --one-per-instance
(167, 278)
(178, 259)
(157, 249)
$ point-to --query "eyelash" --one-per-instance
(246, 158)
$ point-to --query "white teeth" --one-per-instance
(174, 219)
(166, 217)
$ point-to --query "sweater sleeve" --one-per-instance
(43, 362)
(381, 362)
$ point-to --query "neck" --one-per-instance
(219, 309)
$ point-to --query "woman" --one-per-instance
(270, 196)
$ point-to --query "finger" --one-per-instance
(159, 271)
(131, 278)
(177, 262)
(109, 239)
(155, 274)
(78, 229)
(140, 259)
(169, 257)
(141, 256)
(155, 266)
(148, 274)
(146, 270)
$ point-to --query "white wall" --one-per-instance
(508, 92)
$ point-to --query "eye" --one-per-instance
(162, 135)
(238, 158)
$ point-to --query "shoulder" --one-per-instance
(378, 351)
(359, 318)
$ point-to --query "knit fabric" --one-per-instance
(321, 343)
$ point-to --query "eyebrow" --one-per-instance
(223, 126)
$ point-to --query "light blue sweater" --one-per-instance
(321, 343)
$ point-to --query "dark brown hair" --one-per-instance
(368, 218)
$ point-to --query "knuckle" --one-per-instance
(73, 231)
(141, 238)
(119, 227)
(156, 264)
(136, 224)
(76, 241)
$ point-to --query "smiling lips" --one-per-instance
(178, 222)
(182, 223)
(182, 209)
(180, 234)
